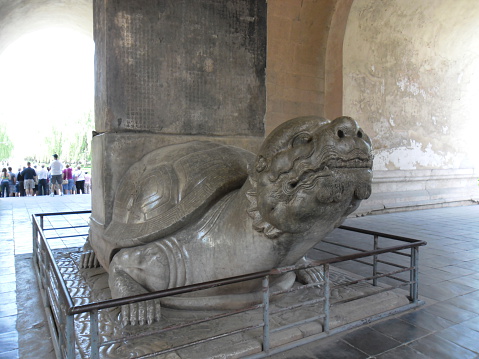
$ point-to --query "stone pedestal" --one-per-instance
(169, 72)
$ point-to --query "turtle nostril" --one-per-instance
(340, 134)
(360, 134)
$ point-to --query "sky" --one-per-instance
(46, 78)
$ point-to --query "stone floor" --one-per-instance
(446, 327)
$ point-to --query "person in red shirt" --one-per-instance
(68, 176)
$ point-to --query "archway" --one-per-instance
(46, 66)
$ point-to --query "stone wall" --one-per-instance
(411, 78)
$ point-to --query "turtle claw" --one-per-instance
(88, 259)
(141, 313)
(310, 275)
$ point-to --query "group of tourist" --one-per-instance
(54, 179)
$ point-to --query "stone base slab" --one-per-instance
(397, 190)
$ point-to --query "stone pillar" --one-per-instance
(169, 72)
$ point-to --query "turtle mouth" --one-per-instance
(355, 160)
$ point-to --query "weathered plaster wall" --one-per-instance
(411, 77)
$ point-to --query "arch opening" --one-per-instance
(47, 95)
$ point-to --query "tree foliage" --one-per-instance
(6, 145)
(70, 141)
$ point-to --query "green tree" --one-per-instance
(6, 145)
(71, 142)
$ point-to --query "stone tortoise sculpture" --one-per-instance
(200, 211)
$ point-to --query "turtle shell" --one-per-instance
(172, 187)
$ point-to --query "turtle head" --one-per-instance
(310, 171)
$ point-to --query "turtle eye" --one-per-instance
(261, 164)
(301, 139)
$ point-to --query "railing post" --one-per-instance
(414, 275)
(266, 314)
(94, 340)
(326, 297)
(70, 336)
(34, 239)
(375, 261)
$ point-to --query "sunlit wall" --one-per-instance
(411, 77)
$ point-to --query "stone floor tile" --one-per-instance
(445, 290)
(8, 341)
(435, 272)
(402, 352)
(8, 324)
(469, 265)
(458, 270)
(400, 330)
(7, 278)
(438, 348)
(370, 341)
(468, 303)
(7, 287)
(461, 335)
(8, 309)
(468, 280)
(12, 354)
(426, 320)
(472, 323)
(335, 349)
(450, 312)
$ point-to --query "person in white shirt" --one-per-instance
(79, 180)
(42, 175)
(87, 183)
(57, 175)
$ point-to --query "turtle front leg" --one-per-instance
(146, 312)
(135, 271)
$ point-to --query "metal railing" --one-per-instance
(61, 310)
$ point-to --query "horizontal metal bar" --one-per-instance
(57, 228)
(73, 235)
(301, 322)
(183, 325)
(294, 306)
(382, 290)
(399, 279)
(297, 288)
(365, 279)
(345, 246)
(391, 264)
(60, 213)
(200, 341)
(384, 235)
(402, 254)
(363, 262)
